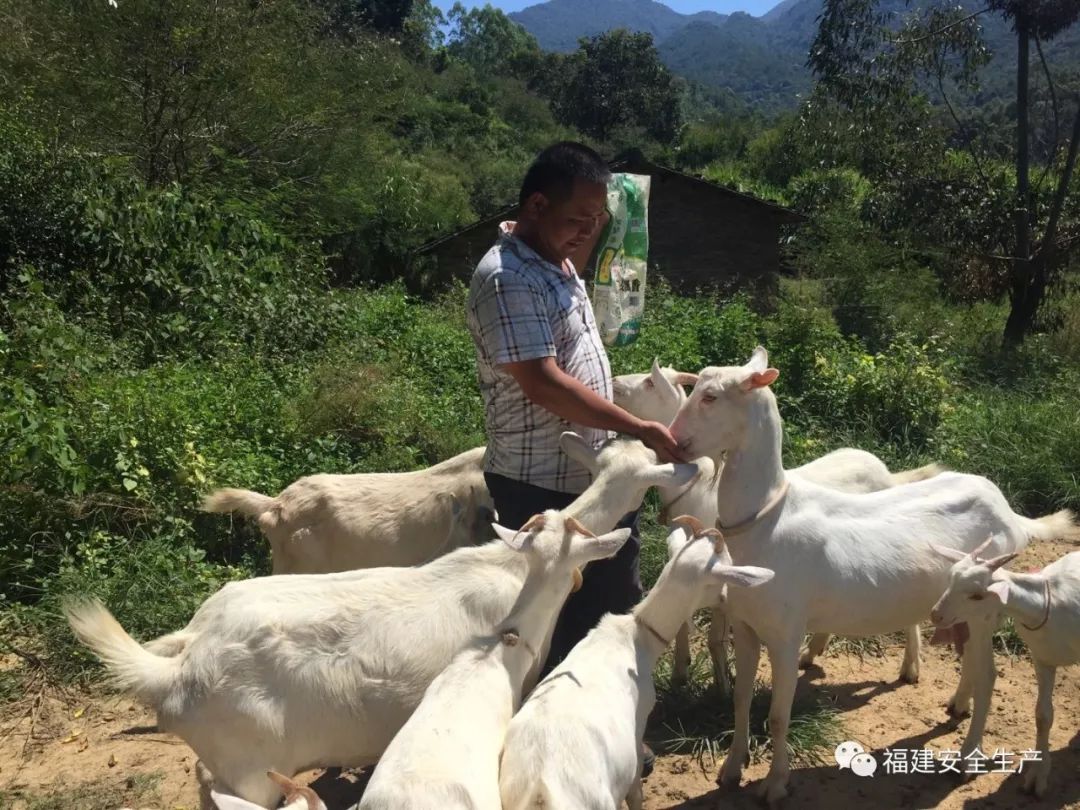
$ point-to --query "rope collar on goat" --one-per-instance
(758, 516)
(1046, 614)
(665, 512)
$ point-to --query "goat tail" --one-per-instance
(918, 474)
(245, 501)
(132, 668)
(1058, 526)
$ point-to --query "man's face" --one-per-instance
(565, 226)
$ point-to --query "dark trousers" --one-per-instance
(609, 586)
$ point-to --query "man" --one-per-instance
(543, 370)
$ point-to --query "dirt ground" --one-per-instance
(54, 746)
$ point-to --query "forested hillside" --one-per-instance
(763, 60)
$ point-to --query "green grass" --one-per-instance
(696, 720)
(1007, 641)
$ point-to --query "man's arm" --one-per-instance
(544, 383)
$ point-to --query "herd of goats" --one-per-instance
(397, 630)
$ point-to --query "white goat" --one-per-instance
(301, 671)
(577, 741)
(655, 396)
(447, 755)
(325, 523)
(297, 797)
(850, 564)
(1045, 608)
(658, 396)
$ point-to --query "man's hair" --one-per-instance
(556, 168)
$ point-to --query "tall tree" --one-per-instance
(347, 17)
(490, 41)
(865, 60)
(617, 80)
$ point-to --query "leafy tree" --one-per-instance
(347, 17)
(869, 66)
(489, 41)
(617, 80)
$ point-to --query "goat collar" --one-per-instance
(758, 516)
(652, 630)
(665, 512)
(511, 638)
(1046, 615)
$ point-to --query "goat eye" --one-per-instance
(649, 384)
(708, 398)
(976, 596)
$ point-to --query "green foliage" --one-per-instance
(615, 81)
(817, 191)
(743, 54)
(489, 42)
(345, 18)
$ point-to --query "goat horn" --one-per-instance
(578, 580)
(697, 527)
(685, 378)
(535, 522)
(690, 522)
(995, 563)
(575, 525)
(282, 781)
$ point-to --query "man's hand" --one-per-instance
(548, 386)
(658, 438)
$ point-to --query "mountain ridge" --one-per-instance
(761, 59)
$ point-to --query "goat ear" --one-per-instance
(1000, 589)
(745, 576)
(759, 360)
(662, 383)
(612, 541)
(949, 553)
(671, 475)
(760, 379)
(514, 539)
(223, 801)
(579, 450)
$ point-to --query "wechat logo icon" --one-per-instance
(852, 755)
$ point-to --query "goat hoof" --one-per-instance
(909, 676)
(1034, 784)
(730, 773)
(953, 710)
(772, 792)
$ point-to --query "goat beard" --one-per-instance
(956, 634)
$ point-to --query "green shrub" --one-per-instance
(816, 191)
(151, 582)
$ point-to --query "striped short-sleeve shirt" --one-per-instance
(523, 307)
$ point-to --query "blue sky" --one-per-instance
(755, 7)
